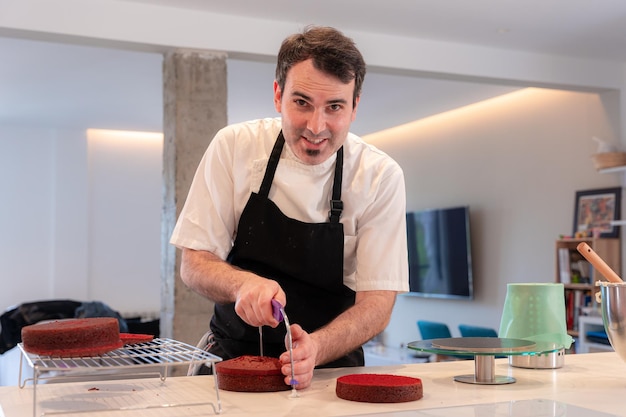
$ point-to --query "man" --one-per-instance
(299, 210)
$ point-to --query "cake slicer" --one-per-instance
(280, 315)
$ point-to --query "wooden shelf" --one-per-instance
(579, 287)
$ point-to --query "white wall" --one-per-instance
(26, 187)
(517, 161)
(80, 218)
(124, 222)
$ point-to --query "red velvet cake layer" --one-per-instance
(250, 374)
(75, 337)
(379, 388)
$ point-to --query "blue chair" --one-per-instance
(433, 330)
(468, 330)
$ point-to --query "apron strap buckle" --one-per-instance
(336, 207)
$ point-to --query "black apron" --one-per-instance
(306, 259)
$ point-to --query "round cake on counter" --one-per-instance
(379, 388)
(72, 337)
(250, 374)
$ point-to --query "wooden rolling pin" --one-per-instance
(597, 262)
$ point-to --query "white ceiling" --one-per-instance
(581, 28)
(63, 85)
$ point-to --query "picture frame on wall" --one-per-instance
(594, 211)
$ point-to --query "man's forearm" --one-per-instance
(217, 280)
(208, 275)
(368, 317)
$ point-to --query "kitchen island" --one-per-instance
(590, 385)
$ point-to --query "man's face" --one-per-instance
(316, 110)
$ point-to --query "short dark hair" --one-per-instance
(331, 51)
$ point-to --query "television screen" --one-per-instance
(440, 260)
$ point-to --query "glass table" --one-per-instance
(484, 350)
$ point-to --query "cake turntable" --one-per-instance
(484, 350)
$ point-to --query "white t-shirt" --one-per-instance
(373, 195)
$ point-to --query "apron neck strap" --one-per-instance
(272, 164)
(336, 205)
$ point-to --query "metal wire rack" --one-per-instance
(154, 358)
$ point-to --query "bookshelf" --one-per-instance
(579, 277)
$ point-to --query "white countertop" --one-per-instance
(586, 382)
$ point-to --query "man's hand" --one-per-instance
(304, 354)
(355, 326)
(254, 301)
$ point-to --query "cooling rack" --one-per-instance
(155, 358)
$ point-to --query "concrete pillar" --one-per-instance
(194, 110)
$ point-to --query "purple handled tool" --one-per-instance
(277, 310)
(279, 314)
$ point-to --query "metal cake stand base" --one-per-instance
(484, 373)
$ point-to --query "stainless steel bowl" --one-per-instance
(614, 315)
